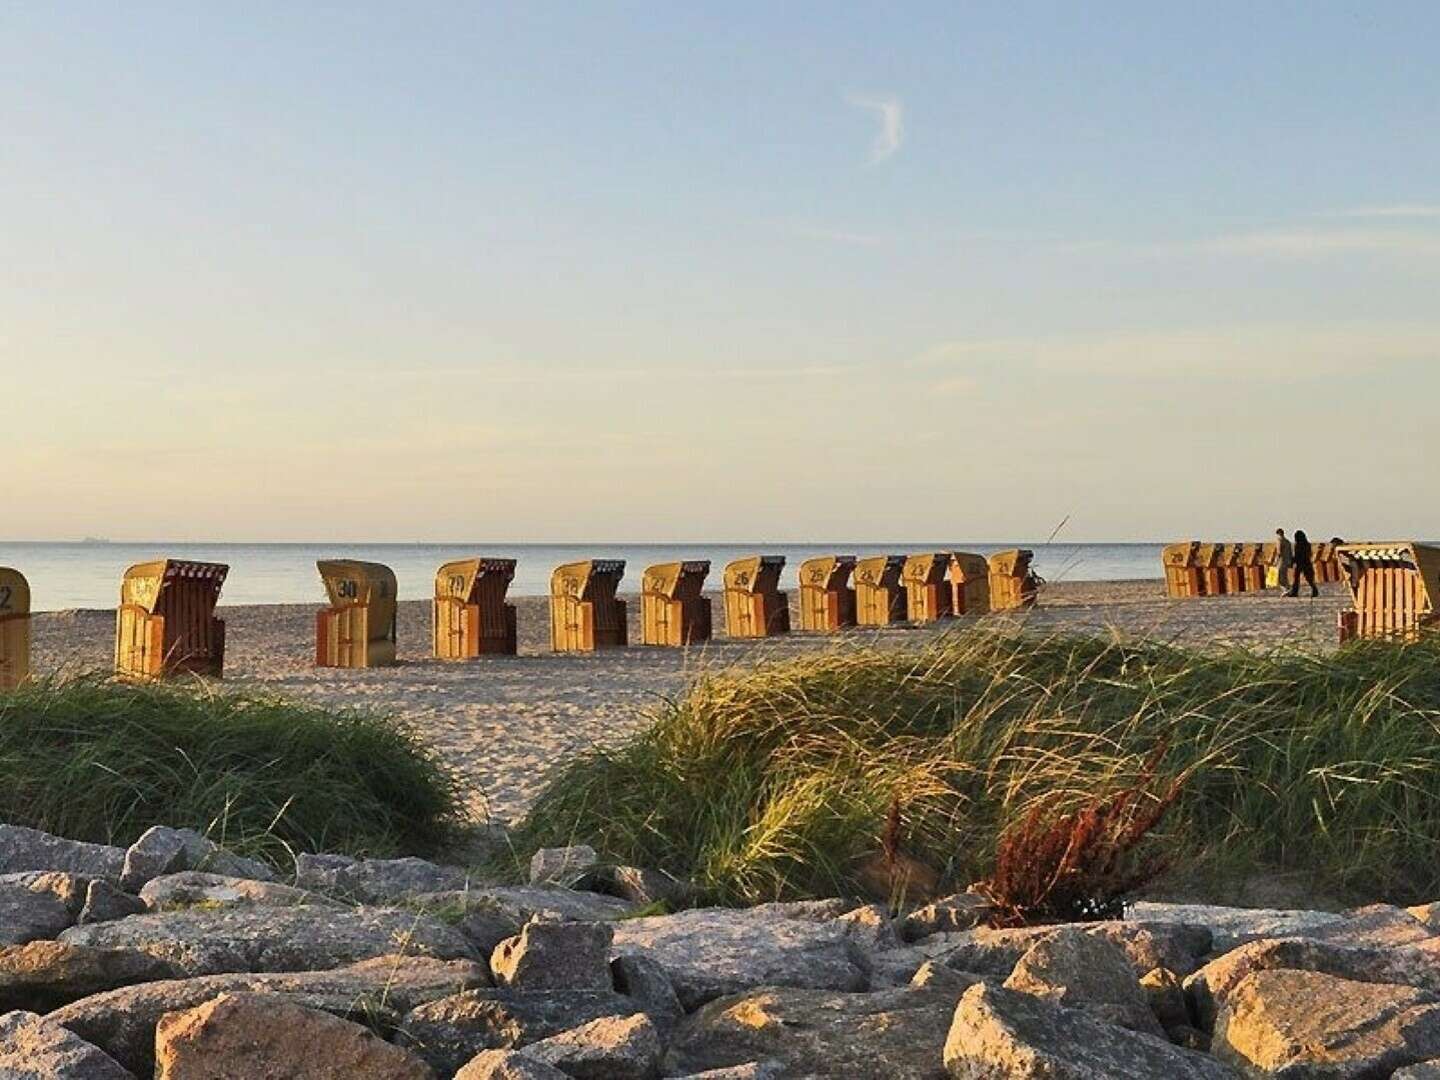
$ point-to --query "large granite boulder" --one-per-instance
(1210, 987)
(610, 1048)
(1000, 1034)
(1084, 971)
(163, 850)
(24, 849)
(261, 1035)
(382, 990)
(450, 1031)
(549, 955)
(1231, 927)
(507, 1065)
(710, 952)
(30, 913)
(874, 1036)
(376, 881)
(196, 888)
(276, 939)
(33, 1048)
(44, 975)
(1308, 1024)
(524, 902)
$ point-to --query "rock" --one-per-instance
(963, 911)
(68, 888)
(1230, 926)
(938, 976)
(555, 956)
(30, 914)
(611, 1048)
(710, 951)
(44, 975)
(105, 903)
(163, 850)
(996, 952)
(507, 1065)
(1000, 1034)
(450, 1031)
(565, 866)
(1304, 1023)
(24, 849)
(376, 881)
(1166, 997)
(875, 1036)
(192, 888)
(871, 927)
(1084, 971)
(33, 1048)
(260, 1035)
(1210, 987)
(275, 939)
(1427, 1070)
(122, 1022)
(645, 981)
(523, 902)
(751, 1070)
(646, 888)
(485, 926)
(1379, 925)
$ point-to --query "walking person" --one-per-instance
(1284, 558)
(1304, 565)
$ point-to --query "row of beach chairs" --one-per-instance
(1196, 568)
(166, 623)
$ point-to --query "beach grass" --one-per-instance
(775, 782)
(103, 761)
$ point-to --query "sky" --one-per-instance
(803, 271)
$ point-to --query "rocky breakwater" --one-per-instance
(178, 959)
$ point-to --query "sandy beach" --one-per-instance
(504, 722)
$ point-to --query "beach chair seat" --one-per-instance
(879, 590)
(969, 583)
(1012, 583)
(1183, 577)
(1212, 574)
(1395, 587)
(754, 605)
(1252, 567)
(14, 628)
(827, 599)
(585, 614)
(358, 629)
(166, 622)
(673, 608)
(471, 617)
(929, 596)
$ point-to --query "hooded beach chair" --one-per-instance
(584, 612)
(166, 622)
(471, 616)
(827, 599)
(357, 630)
(673, 609)
(14, 628)
(754, 605)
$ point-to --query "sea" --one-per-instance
(87, 574)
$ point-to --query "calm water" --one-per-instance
(87, 575)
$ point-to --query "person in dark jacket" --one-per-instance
(1304, 565)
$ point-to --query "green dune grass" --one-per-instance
(775, 782)
(101, 761)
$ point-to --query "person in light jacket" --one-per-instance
(1284, 559)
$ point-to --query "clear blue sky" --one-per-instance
(788, 271)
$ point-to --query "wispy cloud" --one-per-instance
(1398, 210)
(1265, 352)
(891, 113)
(1326, 241)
